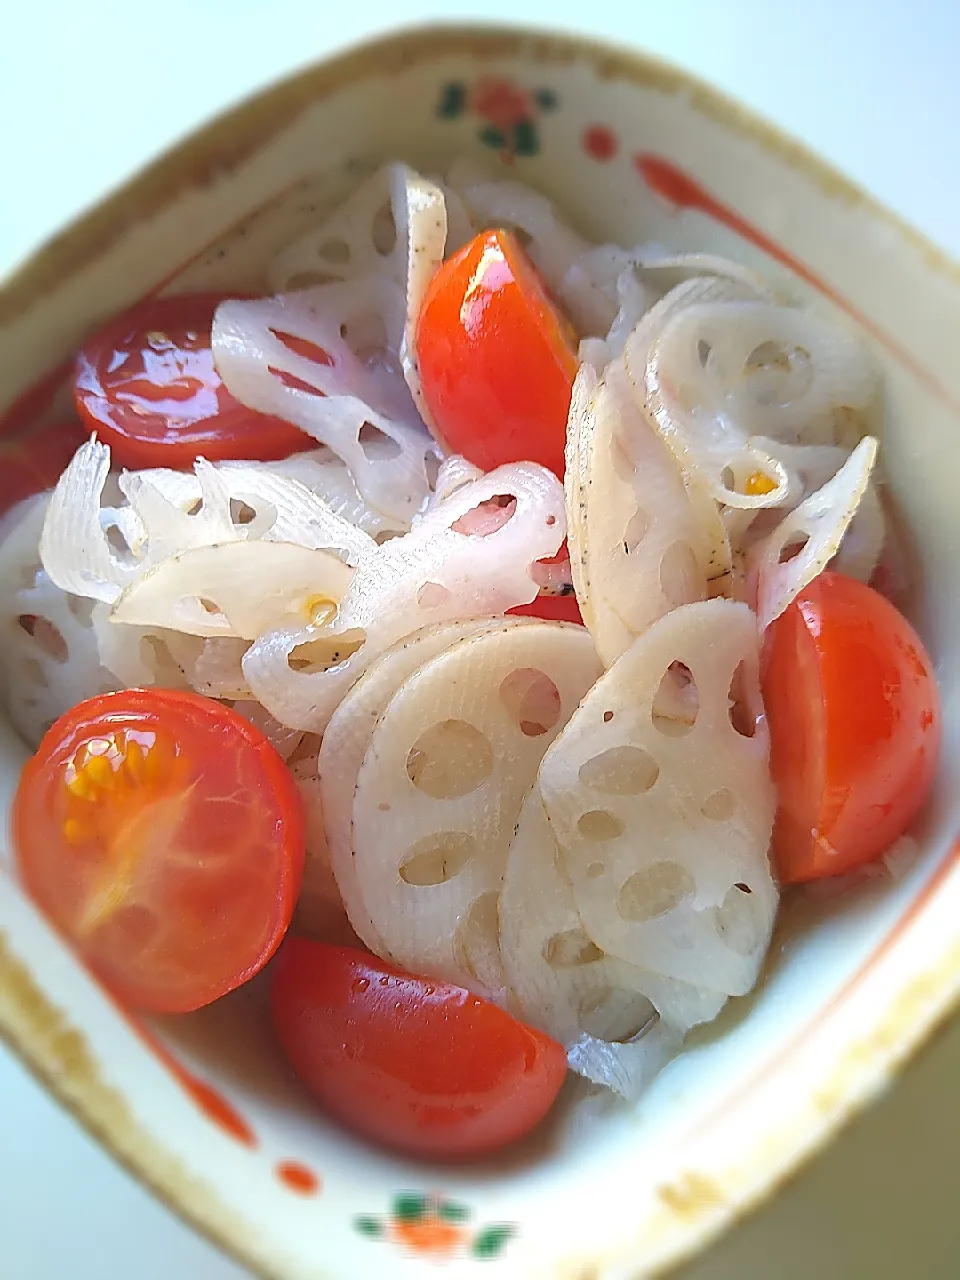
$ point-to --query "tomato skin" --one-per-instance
(31, 463)
(563, 608)
(421, 1066)
(146, 383)
(854, 714)
(496, 367)
(172, 864)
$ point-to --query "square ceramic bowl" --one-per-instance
(202, 1108)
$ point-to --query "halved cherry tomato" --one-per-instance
(30, 463)
(419, 1065)
(162, 834)
(148, 385)
(496, 363)
(854, 714)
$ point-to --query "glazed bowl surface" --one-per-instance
(202, 1107)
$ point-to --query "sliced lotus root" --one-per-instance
(345, 743)
(449, 567)
(560, 980)
(660, 796)
(634, 552)
(320, 912)
(439, 792)
(50, 655)
(807, 539)
(206, 591)
(361, 236)
(286, 356)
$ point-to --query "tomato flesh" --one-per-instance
(854, 715)
(418, 1065)
(163, 836)
(147, 384)
(496, 364)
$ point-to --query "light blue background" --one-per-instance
(90, 90)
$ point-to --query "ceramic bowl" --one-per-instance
(202, 1108)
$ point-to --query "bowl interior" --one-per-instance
(203, 1106)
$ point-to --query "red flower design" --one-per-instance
(500, 102)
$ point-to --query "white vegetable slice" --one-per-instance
(636, 550)
(320, 912)
(74, 547)
(453, 474)
(345, 742)
(235, 589)
(664, 810)
(819, 524)
(363, 413)
(143, 655)
(360, 237)
(328, 477)
(234, 501)
(423, 230)
(439, 792)
(436, 573)
(714, 553)
(50, 657)
(620, 1023)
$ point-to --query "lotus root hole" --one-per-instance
(595, 870)
(620, 771)
(432, 595)
(325, 652)
(654, 890)
(792, 548)
(335, 251)
(486, 517)
(450, 759)
(615, 1014)
(532, 700)
(635, 532)
(719, 805)
(607, 717)
(437, 858)
(384, 230)
(570, 949)
(676, 703)
(738, 926)
(45, 636)
(679, 577)
(742, 715)
(241, 512)
(599, 824)
(431, 469)
(303, 347)
(377, 446)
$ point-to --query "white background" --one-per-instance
(89, 90)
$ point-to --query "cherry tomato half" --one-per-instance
(162, 834)
(854, 714)
(419, 1065)
(496, 365)
(147, 384)
(33, 462)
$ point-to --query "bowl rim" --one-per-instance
(32, 1026)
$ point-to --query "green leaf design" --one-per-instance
(490, 1241)
(525, 140)
(546, 99)
(453, 100)
(409, 1206)
(491, 137)
(453, 1211)
(368, 1226)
